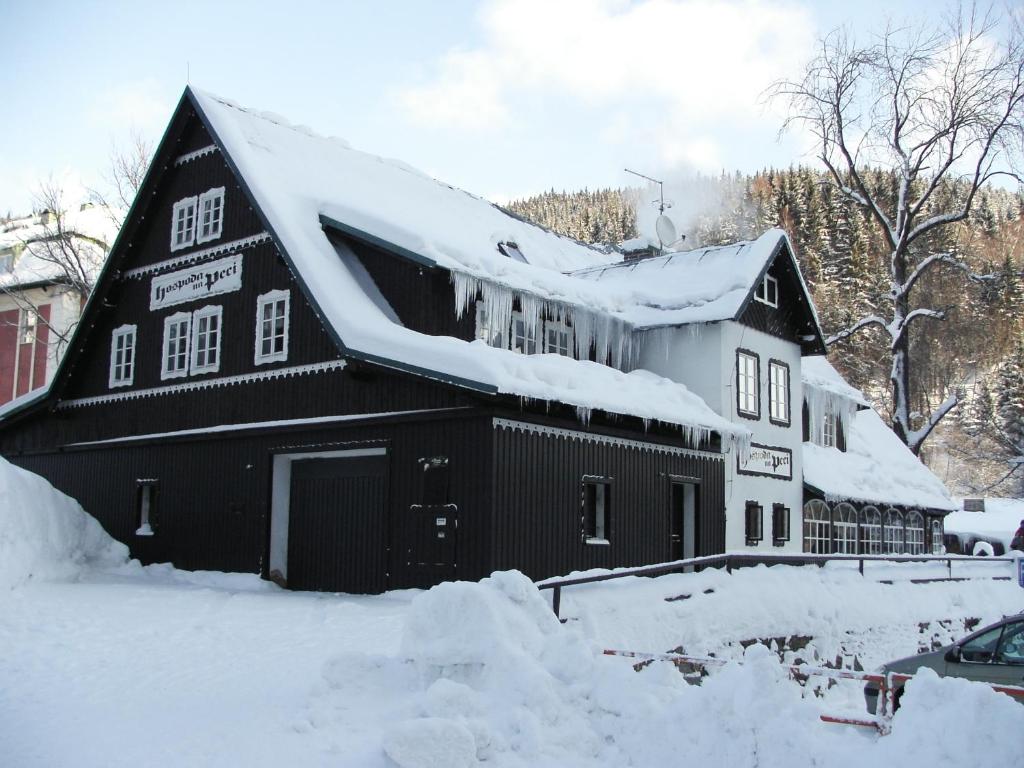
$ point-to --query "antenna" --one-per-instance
(667, 233)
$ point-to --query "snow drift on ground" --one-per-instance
(1000, 519)
(45, 534)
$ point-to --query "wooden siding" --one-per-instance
(793, 318)
(537, 502)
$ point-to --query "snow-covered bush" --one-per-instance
(45, 534)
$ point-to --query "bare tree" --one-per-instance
(124, 177)
(942, 108)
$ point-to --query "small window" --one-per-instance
(487, 329)
(146, 508)
(211, 214)
(778, 393)
(829, 429)
(780, 524)
(177, 330)
(937, 545)
(122, 356)
(596, 509)
(768, 291)
(29, 324)
(183, 223)
(523, 338)
(557, 338)
(753, 529)
(747, 385)
(272, 327)
(206, 334)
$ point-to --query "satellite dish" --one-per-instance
(666, 230)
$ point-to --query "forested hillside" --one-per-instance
(977, 350)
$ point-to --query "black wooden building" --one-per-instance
(231, 401)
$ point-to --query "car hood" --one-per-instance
(935, 660)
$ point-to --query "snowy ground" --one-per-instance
(111, 664)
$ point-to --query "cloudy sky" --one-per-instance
(505, 98)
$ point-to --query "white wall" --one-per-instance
(704, 359)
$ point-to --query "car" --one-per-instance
(993, 654)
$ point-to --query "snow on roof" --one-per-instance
(296, 177)
(817, 373)
(26, 239)
(1000, 519)
(703, 285)
(876, 467)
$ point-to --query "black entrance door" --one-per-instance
(684, 521)
(337, 525)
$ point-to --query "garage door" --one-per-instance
(337, 524)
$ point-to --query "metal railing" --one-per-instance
(745, 560)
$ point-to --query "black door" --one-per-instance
(684, 521)
(337, 525)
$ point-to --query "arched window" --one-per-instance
(844, 522)
(937, 547)
(817, 527)
(893, 532)
(870, 531)
(915, 533)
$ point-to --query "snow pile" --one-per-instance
(45, 534)
(875, 467)
(488, 676)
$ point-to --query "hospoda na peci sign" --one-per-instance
(211, 279)
(766, 461)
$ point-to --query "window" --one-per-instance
(753, 530)
(844, 524)
(870, 531)
(183, 223)
(1011, 644)
(892, 532)
(817, 527)
(146, 506)
(206, 333)
(272, 327)
(523, 338)
(828, 429)
(211, 214)
(557, 338)
(915, 533)
(596, 502)
(122, 356)
(177, 329)
(29, 323)
(768, 291)
(981, 649)
(938, 548)
(778, 393)
(780, 524)
(487, 330)
(747, 385)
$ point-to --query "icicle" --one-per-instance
(821, 402)
(583, 414)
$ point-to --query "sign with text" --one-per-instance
(767, 461)
(199, 282)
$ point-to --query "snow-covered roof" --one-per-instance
(1000, 519)
(93, 229)
(816, 372)
(876, 467)
(698, 286)
(297, 177)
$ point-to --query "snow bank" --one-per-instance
(45, 534)
(1000, 519)
(487, 675)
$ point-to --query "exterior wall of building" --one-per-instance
(29, 358)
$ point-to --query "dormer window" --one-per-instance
(211, 214)
(768, 291)
(183, 223)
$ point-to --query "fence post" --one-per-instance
(556, 600)
(861, 566)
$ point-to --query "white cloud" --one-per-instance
(689, 64)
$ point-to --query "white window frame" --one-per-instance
(184, 205)
(176, 320)
(563, 334)
(892, 532)
(844, 527)
(146, 503)
(871, 530)
(762, 294)
(522, 338)
(122, 370)
(938, 547)
(778, 393)
(602, 509)
(210, 197)
(206, 313)
(748, 401)
(914, 533)
(829, 430)
(817, 527)
(263, 300)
